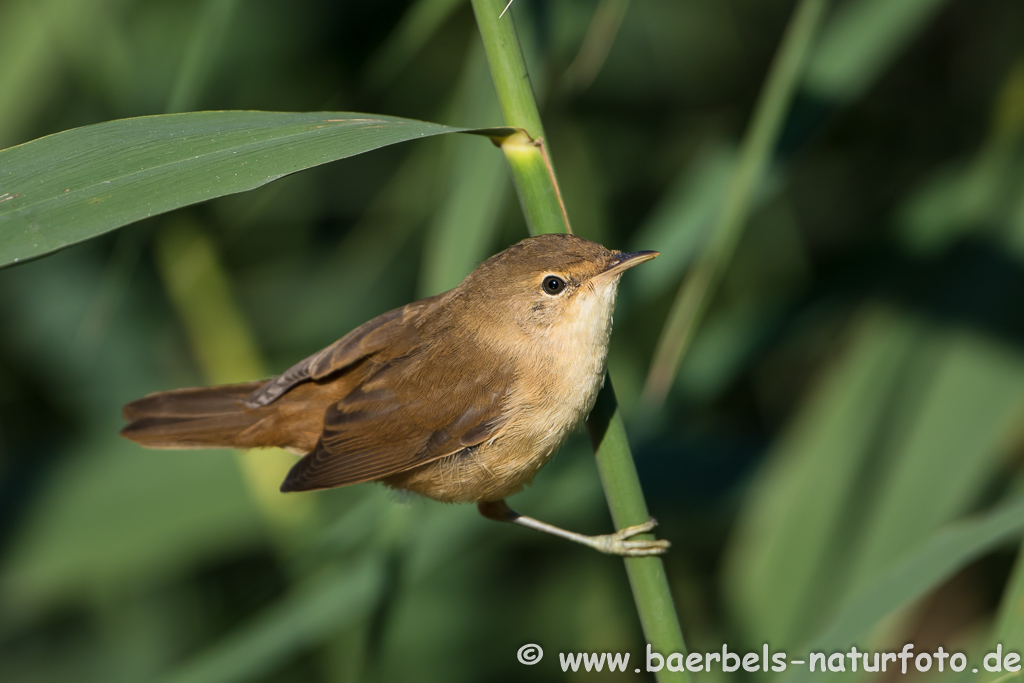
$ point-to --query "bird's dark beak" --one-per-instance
(626, 259)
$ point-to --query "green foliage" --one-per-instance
(68, 187)
(702, 280)
(838, 458)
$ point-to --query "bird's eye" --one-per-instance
(553, 285)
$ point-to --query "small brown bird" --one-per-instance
(460, 397)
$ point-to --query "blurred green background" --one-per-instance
(855, 390)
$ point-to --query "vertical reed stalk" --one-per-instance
(536, 183)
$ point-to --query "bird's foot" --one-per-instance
(618, 543)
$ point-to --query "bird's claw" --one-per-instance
(618, 543)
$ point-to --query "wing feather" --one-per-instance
(386, 332)
(412, 400)
(400, 419)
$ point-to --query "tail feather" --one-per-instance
(206, 417)
(197, 402)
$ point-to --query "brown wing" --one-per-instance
(416, 409)
(397, 330)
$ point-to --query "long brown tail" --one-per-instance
(205, 417)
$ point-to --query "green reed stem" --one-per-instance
(537, 186)
(701, 282)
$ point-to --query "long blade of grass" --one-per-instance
(39, 40)
(110, 518)
(223, 343)
(921, 570)
(785, 557)
(860, 41)
(206, 42)
(604, 27)
(970, 403)
(855, 46)
(684, 216)
(302, 620)
(71, 186)
(1009, 629)
(463, 229)
(755, 154)
(419, 23)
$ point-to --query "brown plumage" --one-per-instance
(460, 397)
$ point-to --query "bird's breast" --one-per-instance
(557, 388)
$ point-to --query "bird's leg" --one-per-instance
(613, 544)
